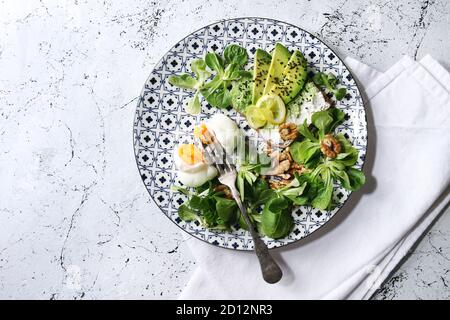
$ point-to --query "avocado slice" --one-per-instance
(260, 71)
(280, 58)
(293, 78)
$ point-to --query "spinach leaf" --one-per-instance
(322, 120)
(215, 62)
(340, 93)
(303, 152)
(210, 218)
(349, 154)
(218, 97)
(181, 189)
(310, 191)
(241, 221)
(259, 187)
(202, 204)
(304, 131)
(254, 191)
(324, 194)
(338, 117)
(263, 197)
(240, 183)
(235, 54)
(276, 218)
(277, 204)
(217, 92)
(227, 210)
(356, 179)
(293, 191)
(255, 219)
(187, 214)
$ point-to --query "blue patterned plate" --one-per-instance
(161, 122)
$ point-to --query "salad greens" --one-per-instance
(319, 157)
(228, 69)
(186, 81)
(329, 81)
(325, 170)
(208, 207)
(276, 218)
(216, 92)
(241, 94)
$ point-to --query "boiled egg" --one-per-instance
(192, 171)
(225, 130)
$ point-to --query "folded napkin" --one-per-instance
(408, 174)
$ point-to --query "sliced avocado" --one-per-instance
(292, 79)
(280, 58)
(260, 71)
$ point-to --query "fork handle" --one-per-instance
(271, 271)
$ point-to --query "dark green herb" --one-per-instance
(329, 81)
(276, 218)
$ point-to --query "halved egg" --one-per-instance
(225, 130)
(192, 169)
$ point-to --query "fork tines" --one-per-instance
(215, 154)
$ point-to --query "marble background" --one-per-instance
(76, 221)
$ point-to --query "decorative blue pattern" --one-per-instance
(161, 122)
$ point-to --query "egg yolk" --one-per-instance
(201, 132)
(190, 154)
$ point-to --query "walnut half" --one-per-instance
(226, 191)
(277, 182)
(330, 146)
(282, 167)
(288, 131)
(296, 168)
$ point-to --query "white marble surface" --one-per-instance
(75, 219)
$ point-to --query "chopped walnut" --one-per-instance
(288, 131)
(226, 191)
(278, 182)
(285, 176)
(282, 167)
(278, 156)
(285, 155)
(296, 168)
(330, 146)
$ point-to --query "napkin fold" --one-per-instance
(408, 174)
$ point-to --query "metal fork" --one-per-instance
(215, 154)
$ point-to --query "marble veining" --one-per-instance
(76, 220)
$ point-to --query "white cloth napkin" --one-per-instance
(408, 174)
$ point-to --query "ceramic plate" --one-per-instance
(161, 122)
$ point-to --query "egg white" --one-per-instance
(198, 178)
(193, 175)
(225, 130)
(186, 167)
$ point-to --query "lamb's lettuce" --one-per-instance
(329, 81)
(186, 81)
